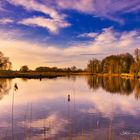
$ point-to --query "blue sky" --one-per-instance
(65, 33)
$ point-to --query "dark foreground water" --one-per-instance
(98, 109)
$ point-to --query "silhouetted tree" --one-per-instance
(5, 63)
(24, 68)
(73, 68)
(55, 69)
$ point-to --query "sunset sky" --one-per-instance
(64, 33)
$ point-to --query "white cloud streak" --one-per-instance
(51, 24)
(33, 5)
(88, 35)
(79, 5)
(57, 19)
(103, 8)
(6, 21)
(54, 23)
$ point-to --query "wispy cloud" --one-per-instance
(79, 5)
(54, 22)
(103, 8)
(33, 5)
(2, 4)
(88, 35)
(56, 18)
(6, 20)
(51, 24)
(107, 42)
(11, 34)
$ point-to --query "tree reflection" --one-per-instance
(94, 82)
(115, 85)
(5, 86)
(137, 90)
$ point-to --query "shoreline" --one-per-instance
(39, 75)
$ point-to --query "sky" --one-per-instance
(64, 33)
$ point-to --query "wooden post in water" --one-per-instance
(68, 98)
(69, 128)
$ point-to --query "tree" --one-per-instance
(137, 54)
(42, 69)
(5, 63)
(94, 66)
(111, 64)
(126, 60)
(137, 57)
(24, 68)
(133, 68)
(73, 68)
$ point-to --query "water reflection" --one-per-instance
(70, 109)
(5, 86)
(115, 85)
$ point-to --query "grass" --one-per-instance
(40, 75)
(36, 75)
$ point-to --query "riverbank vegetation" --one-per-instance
(124, 65)
(120, 64)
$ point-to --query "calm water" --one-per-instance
(98, 109)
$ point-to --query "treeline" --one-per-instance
(116, 64)
(25, 68)
(113, 64)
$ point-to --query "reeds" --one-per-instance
(30, 121)
(44, 127)
(13, 98)
(13, 116)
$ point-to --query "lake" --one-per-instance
(70, 108)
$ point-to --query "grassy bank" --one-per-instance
(123, 75)
(38, 75)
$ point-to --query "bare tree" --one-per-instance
(5, 63)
